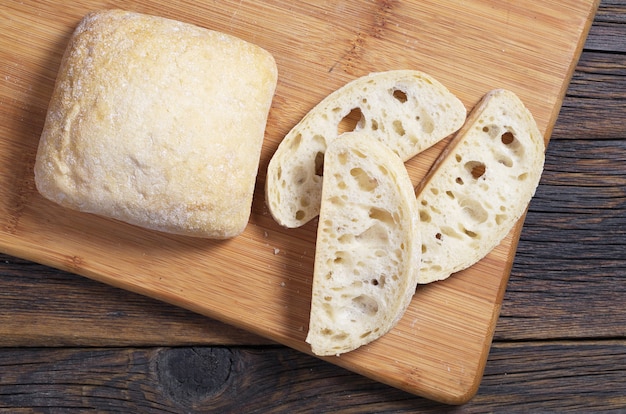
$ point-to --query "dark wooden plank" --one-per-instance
(274, 379)
(41, 306)
(609, 28)
(594, 105)
(569, 275)
(597, 88)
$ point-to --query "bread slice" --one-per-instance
(368, 245)
(407, 110)
(480, 186)
(157, 123)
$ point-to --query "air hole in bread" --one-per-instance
(295, 142)
(399, 128)
(305, 201)
(299, 175)
(458, 158)
(500, 218)
(522, 177)
(504, 160)
(424, 216)
(450, 232)
(326, 332)
(428, 124)
(341, 257)
(319, 164)
(342, 158)
(346, 239)
(476, 168)
(328, 298)
(364, 180)
(474, 210)
(399, 95)
(375, 233)
(438, 236)
(383, 170)
(450, 194)
(435, 191)
(459, 180)
(337, 201)
(507, 138)
(358, 153)
(340, 337)
(471, 234)
(350, 121)
(374, 126)
(299, 215)
(382, 215)
(366, 304)
(366, 334)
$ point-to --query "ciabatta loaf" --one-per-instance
(480, 186)
(368, 245)
(157, 123)
(407, 110)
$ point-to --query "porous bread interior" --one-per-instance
(407, 110)
(367, 250)
(482, 186)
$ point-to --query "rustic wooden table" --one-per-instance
(71, 344)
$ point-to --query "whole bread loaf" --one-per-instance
(368, 245)
(407, 110)
(157, 123)
(480, 186)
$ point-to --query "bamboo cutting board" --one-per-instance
(261, 281)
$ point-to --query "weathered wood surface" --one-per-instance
(560, 342)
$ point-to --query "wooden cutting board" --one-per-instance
(261, 281)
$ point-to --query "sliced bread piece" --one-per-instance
(368, 246)
(480, 186)
(407, 110)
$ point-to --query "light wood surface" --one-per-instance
(261, 280)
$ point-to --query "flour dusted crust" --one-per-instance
(157, 123)
(368, 245)
(480, 186)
